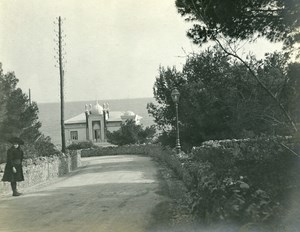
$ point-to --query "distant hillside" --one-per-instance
(49, 113)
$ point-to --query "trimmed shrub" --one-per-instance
(81, 145)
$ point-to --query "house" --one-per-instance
(92, 124)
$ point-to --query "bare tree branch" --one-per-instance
(260, 83)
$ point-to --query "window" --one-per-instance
(74, 135)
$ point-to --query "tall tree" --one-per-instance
(219, 100)
(276, 20)
(18, 117)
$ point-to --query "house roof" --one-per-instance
(80, 118)
(114, 116)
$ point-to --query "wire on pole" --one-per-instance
(60, 60)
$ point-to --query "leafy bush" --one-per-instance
(41, 147)
(45, 147)
(130, 133)
(231, 199)
(243, 180)
(81, 145)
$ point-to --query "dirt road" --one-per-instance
(109, 194)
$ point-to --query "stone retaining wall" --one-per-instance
(121, 150)
(42, 169)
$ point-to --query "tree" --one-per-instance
(8, 83)
(276, 20)
(220, 100)
(18, 117)
(130, 133)
(293, 89)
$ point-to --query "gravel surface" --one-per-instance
(110, 193)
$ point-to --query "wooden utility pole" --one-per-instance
(29, 96)
(61, 75)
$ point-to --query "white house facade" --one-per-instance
(92, 124)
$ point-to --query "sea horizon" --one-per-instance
(94, 100)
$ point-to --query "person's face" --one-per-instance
(16, 145)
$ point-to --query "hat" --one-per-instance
(16, 140)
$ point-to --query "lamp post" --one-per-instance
(175, 97)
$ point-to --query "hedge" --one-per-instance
(244, 180)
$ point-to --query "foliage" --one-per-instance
(243, 180)
(231, 200)
(131, 133)
(233, 21)
(220, 100)
(232, 181)
(293, 93)
(81, 145)
(41, 147)
(45, 147)
(18, 117)
(237, 181)
(276, 20)
(134, 149)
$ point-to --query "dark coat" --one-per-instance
(14, 159)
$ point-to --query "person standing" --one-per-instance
(13, 171)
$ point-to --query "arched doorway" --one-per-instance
(97, 131)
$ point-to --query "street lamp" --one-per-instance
(175, 97)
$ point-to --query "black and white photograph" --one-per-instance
(150, 116)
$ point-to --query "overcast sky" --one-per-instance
(114, 47)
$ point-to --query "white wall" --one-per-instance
(81, 130)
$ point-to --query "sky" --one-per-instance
(113, 48)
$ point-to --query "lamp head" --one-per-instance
(175, 95)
